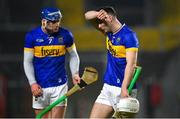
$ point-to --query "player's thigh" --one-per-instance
(58, 112)
(101, 111)
(58, 92)
(37, 111)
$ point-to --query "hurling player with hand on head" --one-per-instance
(122, 49)
(45, 48)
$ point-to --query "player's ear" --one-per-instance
(111, 18)
(43, 21)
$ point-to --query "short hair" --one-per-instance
(110, 10)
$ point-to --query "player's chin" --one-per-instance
(106, 31)
(103, 31)
(55, 30)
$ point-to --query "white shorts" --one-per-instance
(110, 95)
(49, 96)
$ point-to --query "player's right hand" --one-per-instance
(102, 15)
(36, 90)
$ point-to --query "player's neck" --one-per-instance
(116, 27)
(44, 30)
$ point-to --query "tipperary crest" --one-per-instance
(60, 39)
(118, 40)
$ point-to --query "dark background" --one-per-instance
(156, 22)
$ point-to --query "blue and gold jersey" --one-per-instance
(49, 55)
(117, 46)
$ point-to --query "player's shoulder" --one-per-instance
(126, 30)
(129, 36)
(128, 33)
(33, 31)
(64, 31)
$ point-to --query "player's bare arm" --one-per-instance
(91, 15)
(131, 57)
(101, 15)
(96, 18)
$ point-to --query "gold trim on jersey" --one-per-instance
(70, 48)
(131, 49)
(117, 51)
(52, 51)
(29, 49)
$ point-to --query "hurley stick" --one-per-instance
(89, 76)
(135, 77)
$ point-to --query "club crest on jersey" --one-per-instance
(116, 50)
(118, 40)
(39, 40)
(60, 39)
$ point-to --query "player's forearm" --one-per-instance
(129, 71)
(74, 62)
(28, 67)
(91, 15)
(131, 58)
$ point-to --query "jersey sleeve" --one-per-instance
(28, 44)
(131, 42)
(69, 41)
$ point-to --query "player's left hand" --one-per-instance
(124, 93)
(76, 79)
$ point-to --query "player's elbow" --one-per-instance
(86, 16)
